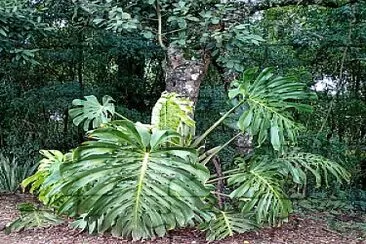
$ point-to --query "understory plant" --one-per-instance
(141, 180)
(12, 173)
(33, 217)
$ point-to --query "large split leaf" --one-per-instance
(298, 164)
(259, 187)
(91, 113)
(259, 183)
(267, 105)
(128, 179)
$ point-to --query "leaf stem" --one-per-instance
(226, 172)
(217, 179)
(121, 116)
(221, 194)
(217, 123)
(204, 162)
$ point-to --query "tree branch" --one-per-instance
(158, 13)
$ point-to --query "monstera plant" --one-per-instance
(140, 181)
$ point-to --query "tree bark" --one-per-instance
(184, 76)
(244, 144)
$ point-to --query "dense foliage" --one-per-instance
(140, 180)
(227, 163)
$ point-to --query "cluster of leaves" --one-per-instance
(181, 23)
(137, 180)
(269, 101)
(333, 200)
(264, 171)
(315, 40)
(47, 176)
(18, 24)
(12, 173)
(307, 39)
(46, 124)
(25, 130)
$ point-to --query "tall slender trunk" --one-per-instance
(80, 61)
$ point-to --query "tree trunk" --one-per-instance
(80, 61)
(244, 144)
(184, 76)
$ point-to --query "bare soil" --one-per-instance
(310, 228)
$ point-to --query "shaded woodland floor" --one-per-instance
(314, 228)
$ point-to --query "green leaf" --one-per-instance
(275, 137)
(132, 181)
(215, 21)
(318, 166)
(2, 32)
(267, 103)
(259, 184)
(48, 176)
(32, 217)
(260, 191)
(12, 173)
(225, 224)
(91, 113)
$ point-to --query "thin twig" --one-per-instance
(226, 172)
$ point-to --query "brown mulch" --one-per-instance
(310, 229)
